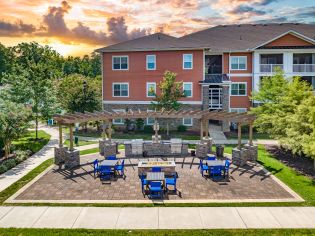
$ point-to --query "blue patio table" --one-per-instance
(110, 163)
(155, 176)
(215, 163)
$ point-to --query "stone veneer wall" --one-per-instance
(226, 106)
(205, 97)
(173, 123)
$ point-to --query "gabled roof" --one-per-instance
(222, 38)
(229, 38)
(153, 42)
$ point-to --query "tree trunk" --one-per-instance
(314, 163)
(36, 127)
(6, 149)
(167, 129)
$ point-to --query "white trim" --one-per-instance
(240, 75)
(147, 90)
(230, 60)
(192, 61)
(120, 83)
(119, 56)
(191, 124)
(189, 83)
(146, 61)
(243, 95)
(149, 102)
(122, 120)
(294, 33)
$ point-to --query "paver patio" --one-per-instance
(245, 183)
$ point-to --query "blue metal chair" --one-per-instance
(227, 167)
(144, 182)
(211, 158)
(171, 181)
(216, 171)
(156, 190)
(105, 172)
(96, 167)
(121, 168)
(111, 158)
(156, 169)
(203, 168)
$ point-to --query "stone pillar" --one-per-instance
(205, 97)
(59, 154)
(226, 105)
(60, 136)
(101, 145)
(251, 134)
(239, 156)
(71, 137)
(239, 135)
(109, 149)
(72, 158)
(208, 141)
(252, 152)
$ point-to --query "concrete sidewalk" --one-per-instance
(157, 217)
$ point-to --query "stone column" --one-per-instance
(60, 136)
(226, 105)
(239, 135)
(205, 97)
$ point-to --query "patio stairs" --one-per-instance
(217, 135)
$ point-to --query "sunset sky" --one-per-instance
(77, 27)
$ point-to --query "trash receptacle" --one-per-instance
(76, 140)
(219, 150)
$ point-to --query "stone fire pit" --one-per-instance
(168, 167)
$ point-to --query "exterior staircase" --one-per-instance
(217, 135)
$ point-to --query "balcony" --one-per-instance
(270, 68)
(304, 68)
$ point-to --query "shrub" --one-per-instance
(148, 129)
(181, 128)
(10, 163)
(3, 168)
(22, 155)
(139, 123)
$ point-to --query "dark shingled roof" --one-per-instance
(222, 38)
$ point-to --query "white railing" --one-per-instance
(269, 68)
(215, 98)
(303, 67)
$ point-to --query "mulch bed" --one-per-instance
(301, 164)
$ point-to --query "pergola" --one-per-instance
(204, 116)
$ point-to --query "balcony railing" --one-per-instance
(303, 67)
(269, 68)
(210, 70)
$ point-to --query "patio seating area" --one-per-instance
(242, 183)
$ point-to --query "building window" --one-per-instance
(188, 121)
(238, 89)
(119, 121)
(120, 62)
(151, 62)
(150, 120)
(238, 110)
(120, 90)
(151, 89)
(238, 62)
(187, 61)
(188, 89)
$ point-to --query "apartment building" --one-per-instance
(219, 66)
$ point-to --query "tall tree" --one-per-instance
(170, 92)
(33, 77)
(13, 122)
(6, 61)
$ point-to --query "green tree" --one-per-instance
(6, 61)
(32, 79)
(170, 92)
(287, 112)
(13, 123)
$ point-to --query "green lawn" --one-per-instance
(80, 143)
(233, 135)
(28, 142)
(208, 232)
(95, 150)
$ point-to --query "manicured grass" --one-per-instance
(5, 194)
(28, 142)
(95, 150)
(80, 143)
(209, 232)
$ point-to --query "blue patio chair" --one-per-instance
(156, 190)
(227, 167)
(121, 168)
(211, 158)
(144, 182)
(156, 169)
(113, 157)
(171, 181)
(105, 172)
(203, 168)
(96, 167)
(216, 171)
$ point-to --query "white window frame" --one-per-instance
(147, 120)
(113, 94)
(120, 56)
(147, 90)
(191, 124)
(237, 109)
(188, 83)
(238, 95)
(192, 61)
(122, 121)
(147, 61)
(231, 57)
